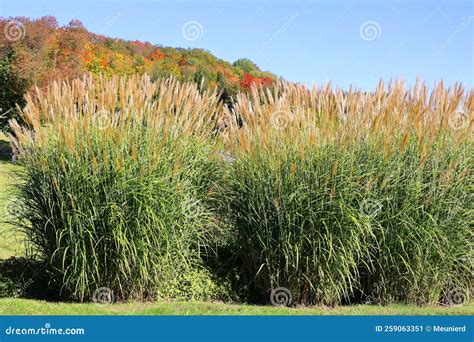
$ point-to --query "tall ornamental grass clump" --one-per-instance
(115, 180)
(354, 196)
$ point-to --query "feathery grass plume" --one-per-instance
(115, 182)
(326, 192)
(331, 236)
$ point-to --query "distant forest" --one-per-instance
(37, 51)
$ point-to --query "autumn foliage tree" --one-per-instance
(44, 51)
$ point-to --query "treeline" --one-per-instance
(37, 51)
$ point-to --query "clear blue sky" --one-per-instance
(305, 41)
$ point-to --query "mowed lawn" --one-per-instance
(35, 307)
(10, 241)
(11, 245)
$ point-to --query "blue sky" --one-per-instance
(346, 42)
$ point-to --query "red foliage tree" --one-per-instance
(248, 80)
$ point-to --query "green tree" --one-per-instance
(246, 65)
(165, 68)
(12, 86)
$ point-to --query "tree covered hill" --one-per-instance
(37, 51)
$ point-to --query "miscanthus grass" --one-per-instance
(115, 179)
(157, 190)
(342, 197)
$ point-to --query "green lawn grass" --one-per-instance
(11, 245)
(35, 307)
(10, 241)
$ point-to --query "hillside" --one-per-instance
(37, 51)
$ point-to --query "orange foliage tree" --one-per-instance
(45, 51)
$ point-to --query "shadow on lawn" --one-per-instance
(26, 278)
(5, 151)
